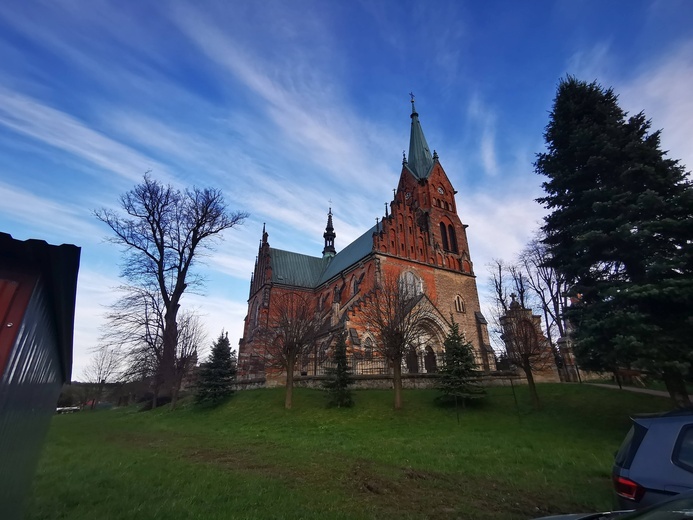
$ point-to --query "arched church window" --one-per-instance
(411, 285)
(368, 348)
(256, 315)
(453, 238)
(459, 304)
(444, 236)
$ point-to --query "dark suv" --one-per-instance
(655, 459)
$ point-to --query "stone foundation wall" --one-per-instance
(384, 382)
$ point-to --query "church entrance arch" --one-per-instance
(412, 361)
(430, 360)
(425, 355)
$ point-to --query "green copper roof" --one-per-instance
(348, 256)
(296, 269)
(311, 271)
(420, 160)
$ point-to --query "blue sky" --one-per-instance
(288, 105)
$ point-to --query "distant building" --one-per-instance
(37, 303)
(420, 239)
(525, 342)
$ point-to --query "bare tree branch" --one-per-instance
(395, 316)
(289, 334)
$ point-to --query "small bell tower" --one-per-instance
(329, 235)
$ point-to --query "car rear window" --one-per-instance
(630, 445)
(683, 451)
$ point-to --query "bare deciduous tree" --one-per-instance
(506, 279)
(191, 336)
(105, 367)
(525, 344)
(163, 230)
(395, 315)
(549, 286)
(289, 334)
(135, 326)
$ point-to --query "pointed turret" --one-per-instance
(420, 160)
(329, 235)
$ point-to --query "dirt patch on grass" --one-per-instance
(414, 493)
(377, 489)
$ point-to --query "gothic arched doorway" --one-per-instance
(412, 361)
(430, 360)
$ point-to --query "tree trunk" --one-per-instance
(174, 393)
(676, 387)
(168, 356)
(397, 383)
(617, 377)
(532, 386)
(288, 400)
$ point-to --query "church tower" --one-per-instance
(423, 230)
(423, 224)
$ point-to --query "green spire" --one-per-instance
(420, 160)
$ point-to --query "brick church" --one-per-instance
(420, 239)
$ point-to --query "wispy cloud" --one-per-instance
(662, 88)
(296, 106)
(590, 64)
(485, 121)
(219, 313)
(60, 130)
(35, 215)
(94, 294)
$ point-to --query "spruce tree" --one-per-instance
(216, 376)
(621, 232)
(459, 376)
(339, 378)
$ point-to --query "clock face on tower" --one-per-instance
(440, 190)
(407, 195)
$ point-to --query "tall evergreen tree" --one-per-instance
(339, 378)
(216, 376)
(621, 232)
(459, 376)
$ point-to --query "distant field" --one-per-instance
(251, 458)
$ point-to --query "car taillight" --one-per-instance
(627, 488)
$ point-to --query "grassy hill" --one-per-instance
(250, 458)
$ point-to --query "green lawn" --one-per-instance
(252, 459)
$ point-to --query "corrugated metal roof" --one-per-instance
(58, 266)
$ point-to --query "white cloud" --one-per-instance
(218, 313)
(60, 130)
(35, 215)
(662, 89)
(485, 120)
(94, 294)
(590, 64)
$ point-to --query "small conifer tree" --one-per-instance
(216, 376)
(459, 376)
(339, 378)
